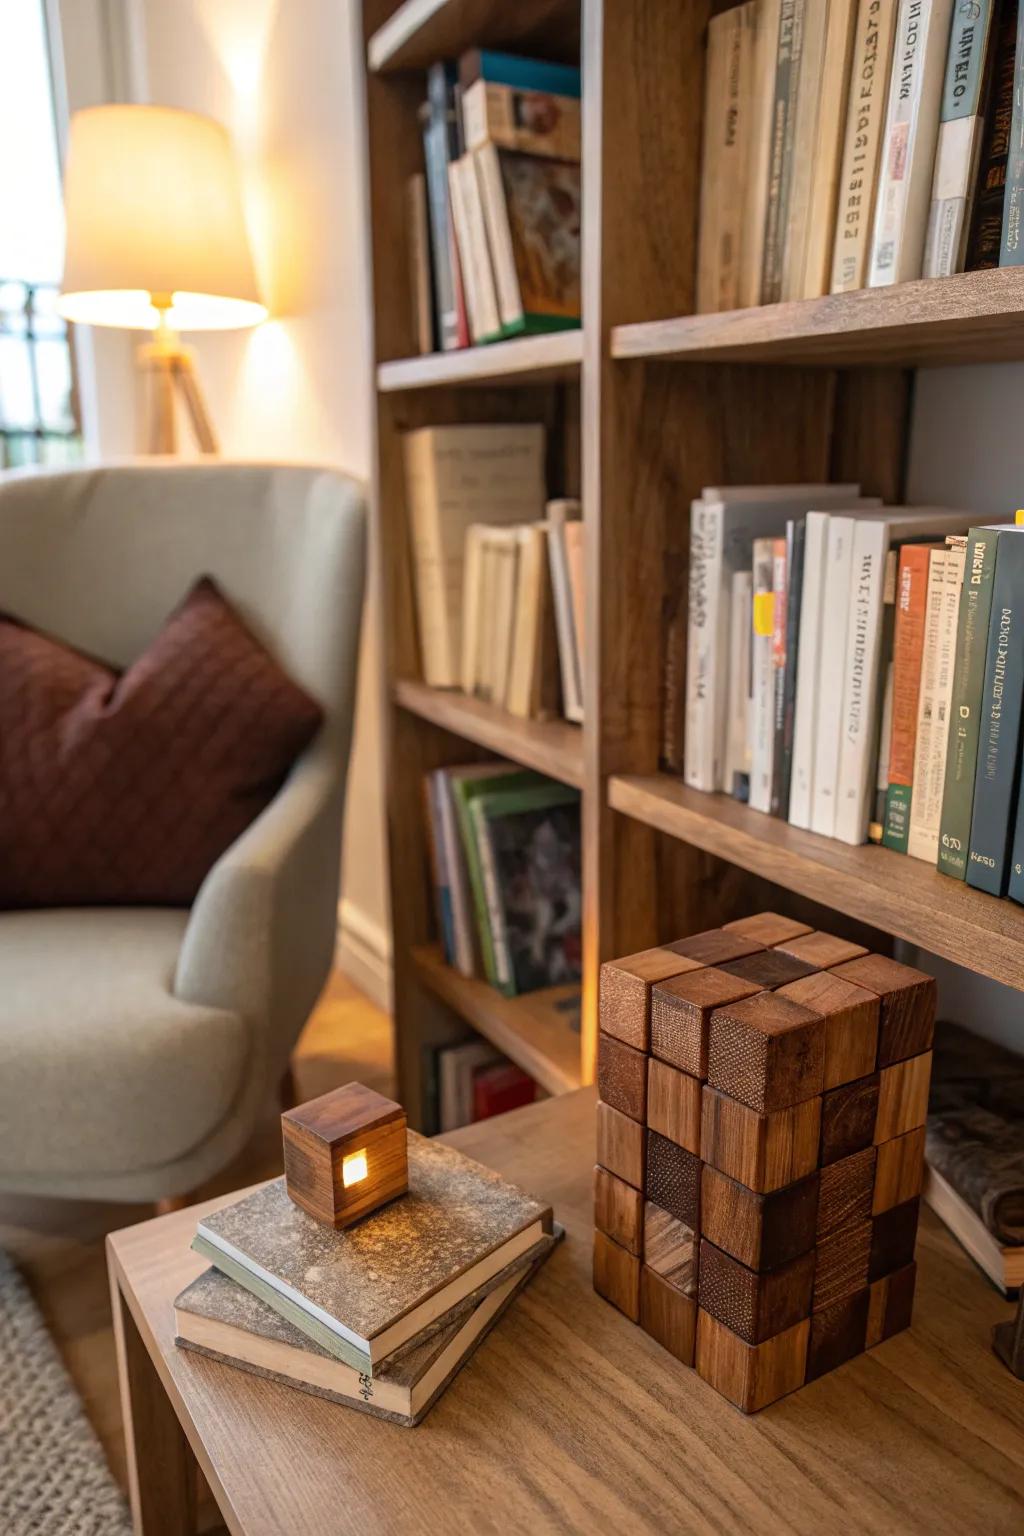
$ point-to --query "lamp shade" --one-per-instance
(153, 208)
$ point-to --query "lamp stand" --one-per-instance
(171, 371)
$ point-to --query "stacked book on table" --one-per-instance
(380, 1316)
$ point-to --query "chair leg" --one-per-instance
(171, 1203)
(287, 1091)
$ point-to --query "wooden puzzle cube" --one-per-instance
(764, 1090)
(345, 1154)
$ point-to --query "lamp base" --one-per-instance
(171, 371)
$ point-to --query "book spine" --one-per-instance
(435, 140)
(737, 761)
(760, 151)
(727, 130)
(528, 122)
(702, 645)
(794, 604)
(995, 779)
(787, 77)
(1011, 250)
(762, 731)
(860, 688)
(908, 650)
(804, 149)
(499, 237)
(837, 70)
(474, 869)
(961, 129)
(862, 144)
(433, 791)
(965, 705)
(927, 704)
(568, 661)
(927, 812)
(781, 551)
(883, 721)
(877, 825)
(831, 673)
(495, 912)
(1016, 886)
(987, 217)
(808, 652)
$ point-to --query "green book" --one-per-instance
(997, 771)
(965, 704)
(466, 784)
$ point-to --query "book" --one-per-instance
(805, 144)
(559, 514)
(531, 210)
(908, 656)
(911, 132)
(876, 825)
(947, 568)
(465, 784)
(432, 792)
(827, 148)
(998, 765)
(452, 861)
(439, 149)
(965, 705)
(505, 545)
(472, 604)
(456, 476)
(762, 111)
(485, 322)
(572, 534)
(1002, 1262)
(533, 691)
(364, 1292)
(421, 285)
(782, 551)
(808, 655)
(500, 1088)
(530, 122)
(835, 607)
(1011, 249)
(783, 128)
(515, 70)
(456, 1066)
(737, 751)
(728, 87)
(987, 220)
(762, 727)
(961, 130)
(785, 678)
(863, 138)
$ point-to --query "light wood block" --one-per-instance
(903, 1097)
(842, 1265)
(899, 1171)
(893, 1239)
(891, 1305)
(622, 1077)
(754, 1306)
(751, 1375)
(715, 946)
(771, 968)
(838, 1334)
(851, 1015)
(765, 1152)
(617, 1276)
(908, 1004)
(766, 1051)
(768, 928)
(673, 1104)
(681, 1012)
(672, 1179)
(625, 1003)
(670, 1248)
(822, 949)
(618, 1210)
(668, 1316)
(762, 1231)
(848, 1118)
(620, 1145)
(846, 1191)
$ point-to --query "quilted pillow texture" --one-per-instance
(124, 788)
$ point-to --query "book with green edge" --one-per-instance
(466, 784)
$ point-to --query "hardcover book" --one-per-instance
(987, 220)
(998, 766)
(827, 147)
(933, 708)
(908, 654)
(862, 144)
(1011, 252)
(961, 130)
(762, 110)
(805, 146)
(531, 209)
(531, 122)
(728, 101)
(783, 129)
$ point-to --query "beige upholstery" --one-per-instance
(138, 1046)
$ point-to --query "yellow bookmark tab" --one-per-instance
(1019, 515)
(764, 613)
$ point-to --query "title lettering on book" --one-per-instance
(858, 669)
(962, 62)
(910, 44)
(866, 109)
(995, 713)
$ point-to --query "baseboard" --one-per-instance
(364, 953)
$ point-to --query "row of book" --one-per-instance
(505, 859)
(497, 569)
(468, 1082)
(494, 219)
(858, 143)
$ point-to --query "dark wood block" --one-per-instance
(751, 1376)
(771, 968)
(891, 1304)
(755, 1306)
(893, 1239)
(617, 1276)
(766, 1051)
(899, 1171)
(715, 945)
(851, 1015)
(681, 1011)
(669, 1316)
(903, 1097)
(767, 928)
(673, 1104)
(846, 1191)
(843, 1261)
(618, 1210)
(762, 1231)
(625, 992)
(822, 949)
(838, 1334)
(620, 1145)
(908, 1005)
(848, 1118)
(670, 1248)
(764, 1152)
(673, 1178)
(622, 1077)
(345, 1154)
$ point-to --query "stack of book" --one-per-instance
(381, 1316)
(858, 143)
(470, 1082)
(494, 222)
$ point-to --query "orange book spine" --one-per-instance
(908, 651)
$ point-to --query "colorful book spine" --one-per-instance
(947, 565)
(965, 705)
(908, 652)
(763, 714)
(883, 733)
(995, 779)
(862, 145)
(439, 150)
(961, 130)
(781, 550)
(1011, 251)
(785, 716)
(780, 174)
(987, 219)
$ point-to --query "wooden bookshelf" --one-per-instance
(553, 747)
(420, 31)
(530, 359)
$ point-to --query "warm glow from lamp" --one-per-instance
(353, 1168)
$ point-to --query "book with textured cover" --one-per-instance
(987, 218)
(998, 766)
(961, 130)
(862, 143)
(783, 129)
(728, 102)
(908, 654)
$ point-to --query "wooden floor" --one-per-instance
(59, 1244)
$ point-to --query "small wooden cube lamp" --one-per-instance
(345, 1154)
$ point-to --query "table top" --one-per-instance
(568, 1418)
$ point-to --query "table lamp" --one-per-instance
(156, 240)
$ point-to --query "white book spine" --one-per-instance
(831, 671)
(763, 724)
(956, 168)
(930, 768)
(499, 233)
(705, 568)
(808, 654)
(737, 757)
(858, 725)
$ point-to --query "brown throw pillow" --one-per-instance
(124, 789)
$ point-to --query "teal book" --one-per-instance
(1016, 888)
(515, 70)
(996, 774)
(1011, 250)
(466, 784)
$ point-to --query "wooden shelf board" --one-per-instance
(901, 895)
(976, 317)
(522, 360)
(534, 1031)
(553, 747)
(421, 31)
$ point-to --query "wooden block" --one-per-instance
(762, 1231)
(618, 1210)
(755, 1306)
(893, 1239)
(846, 1191)
(766, 1051)
(908, 1005)
(822, 949)
(751, 1375)
(622, 1077)
(673, 1104)
(617, 1276)
(891, 1304)
(673, 1178)
(903, 1097)
(842, 1264)
(625, 992)
(620, 1145)
(899, 1171)
(764, 1152)
(715, 945)
(767, 928)
(848, 1118)
(345, 1154)
(670, 1248)
(851, 1015)
(838, 1334)
(771, 968)
(681, 1011)
(668, 1315)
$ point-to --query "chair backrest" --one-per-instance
(100, 557)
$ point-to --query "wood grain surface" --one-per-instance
(681, 1013)
(670, 1248)
(851, 1015)
(903, 1096)
(768, 928)
(899, 1170)
(751, 1375)
(822, 949)
(617, 1276)
(765, 1152)
(668, 1315)
(845, 1192)
(766, 1051)
(625, 1001)
(620, 1145)
(622, 1077)
(756, 1306)
(673, 1104)
(618, 1210)
(762, 1231)
(907, 996)
(848, 1116)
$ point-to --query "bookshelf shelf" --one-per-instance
(421, 31)
(535, 1031)
(976, 317)
(522, 360)
(553, 747)
(901, 895)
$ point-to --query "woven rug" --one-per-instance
(54, 1480)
